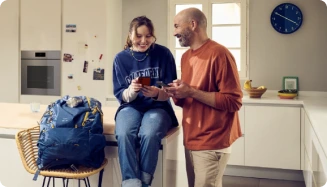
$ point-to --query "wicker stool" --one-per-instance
(26, 142)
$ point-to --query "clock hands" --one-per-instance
(286, 18)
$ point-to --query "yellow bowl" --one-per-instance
(287, 95)
(255, 93)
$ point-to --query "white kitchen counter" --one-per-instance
(17, 116)
(315, 106)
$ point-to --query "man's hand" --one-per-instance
(179, 89)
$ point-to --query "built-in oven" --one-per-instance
(40, 73)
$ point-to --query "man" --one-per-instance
(210, 94)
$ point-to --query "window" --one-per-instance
(226, 25)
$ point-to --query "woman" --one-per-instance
(145, 113)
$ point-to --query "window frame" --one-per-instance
(207, 10)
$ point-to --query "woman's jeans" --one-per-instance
(135, 130)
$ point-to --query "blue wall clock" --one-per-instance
(286, 18)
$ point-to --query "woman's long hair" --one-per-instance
(136, 23)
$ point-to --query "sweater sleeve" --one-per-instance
(129, 95)
(170, 72)
(230, 94)
(119, 84)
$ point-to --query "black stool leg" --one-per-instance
(79, 182)
(63, 182)
(44, 178)
(53, 182)
(49, 179)
(88, 182)
(100, 178)
(85, 182)
(67, 182)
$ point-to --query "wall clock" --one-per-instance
(286, 18)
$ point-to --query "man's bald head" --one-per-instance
(194, 14)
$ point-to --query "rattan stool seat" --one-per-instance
(27, 147)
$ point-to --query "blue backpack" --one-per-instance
(71, 134)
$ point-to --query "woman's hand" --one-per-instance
(135, 85)
(150, 91)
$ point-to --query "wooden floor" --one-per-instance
(231, 181)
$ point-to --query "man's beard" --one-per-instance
(185, 39)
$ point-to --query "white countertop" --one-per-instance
(17, 116)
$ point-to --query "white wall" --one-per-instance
(302, 54)
(90, 19)
(114, 37)
(9, 56)
(155, 10)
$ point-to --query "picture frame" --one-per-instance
(291, 83)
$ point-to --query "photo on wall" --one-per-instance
(98, 74)
(70, 27)
(68, 57)
(86, 64)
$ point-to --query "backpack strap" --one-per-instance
(94, 110)
(88, 101)
(87, 113)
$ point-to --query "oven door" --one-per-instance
(40, 77)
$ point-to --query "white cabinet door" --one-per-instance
(112, 174)
(308, 136)
(307, 171)
(318, 157)
(302, 137)
(40, 25)
(12, 172)
(272, 137)
(237, 155)
(9, 71)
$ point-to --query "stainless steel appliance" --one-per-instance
(40, 73)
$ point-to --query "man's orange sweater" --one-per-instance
(211, 68)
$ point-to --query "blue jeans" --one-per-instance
(144, 130)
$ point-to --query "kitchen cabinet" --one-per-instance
(307, 172)
(308, 136)
(302, 138)
(14, 173)
(314, 171)
(237, 156)
(318, 173)
(40, 25)
(272, 137)
(9, 40)
(112, 175)
(311, 157)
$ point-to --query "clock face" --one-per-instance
(286, 18)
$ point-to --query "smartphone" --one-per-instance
(145, 81)
(160, 83)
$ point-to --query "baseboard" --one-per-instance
(265, 173)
